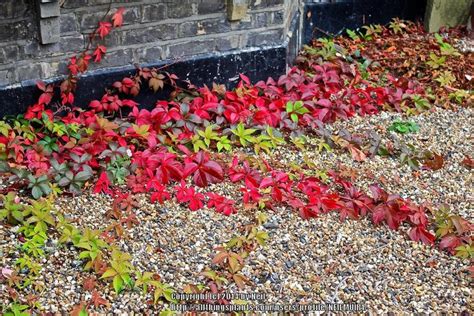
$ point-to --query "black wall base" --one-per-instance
(224, 69)
(333, 18)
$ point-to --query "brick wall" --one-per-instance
(154, 30)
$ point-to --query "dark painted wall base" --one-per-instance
(224, 69)
(333, 18)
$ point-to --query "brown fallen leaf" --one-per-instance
(79, 309)
(357, 154)
(433, 161)
(97, 300)
(89, 284)
(468, 162)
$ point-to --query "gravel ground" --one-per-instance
(318, 261)
(446, 132)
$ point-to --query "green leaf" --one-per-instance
(294, 117)
(352, 35)
(82, 176)
(465, 252)
(4, 128)
(36, 192)
(83, 312)
(109, 273)
(117, 284)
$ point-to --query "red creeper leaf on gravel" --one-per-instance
(103, 184)
(221, 204)
(203, 169)
(450, 242)
(188, 195)
(419, 233)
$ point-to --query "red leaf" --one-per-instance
(204, 171)
(96, 106)
(117, 18)
(221, 204)
(168, 167)
(67, 98)
(103, 184)
(41, 85)
(104, 29)
(419, 233)
(98, 53)
(185, 194)
(160, 194)
(73, 67)
(45, 98)
(450, 242)
(245, 79)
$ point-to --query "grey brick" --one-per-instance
(242, 24)
(150, 34)
(278, 17)
(262, 19)
(131, 15)
(273, 37)
(49, 30)
(113, 39)
(221, 25)
(29, 72)
(35, 49)
(149, 55)
(15, 9)
(121, 57)
(68, 23)
(180, 9)
(116, 2)
(134, 43)
(49, 9)
(153, 12)
(9, 54)
(89, 20)
(66, 44)
(74, 43)
(228, 43)
(62, 67)
(72, 4)
(49, 69)
(18, 30)
(257, 4)
(6, 77)
(189, 48)
(211, 6)
(210, 26)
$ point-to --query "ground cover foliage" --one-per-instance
(208, 135)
